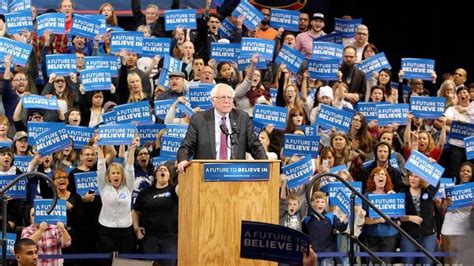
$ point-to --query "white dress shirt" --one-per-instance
(218, 131)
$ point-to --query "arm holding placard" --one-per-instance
(129, 169)
(101, 170)
(65, 238)
(442, 134)
(35, 235)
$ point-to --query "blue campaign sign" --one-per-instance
(54, 22)
(325, 69)
(61, 64)
(393, 161)
(149, 132)
(416, 68)
(109, 118)
(273, 95)
(388, 114)
(445, 182)
(19, 5)
(162, 107)
(339, 168)
(176, 130)
(460, 130)
(300, 145)
(7, 144)
(392, 205)
(252, 15)
(332, 188)
(172, 64)
(310, 130)
(335, 37)
(346, 26)
(184, 18)
(33, 101)
(11, 239)
(20, 51)
(286, 19)
(59, 213)
(169, 146)
(52, 140)
(227, 29)
(186, 109)
(343, 202)
(85, 26)
(80, 135)
(245, 61)
(368, 109)
(267, 114)
(156, 46)
(119, 134)
(200, 96)
(330, 117)
(21, 162)
(18, 22)
(374, 63)
(236, 172)
(298, 173)
(86, 181)
(263, 241)
(251, 46)
(225, 52)
(3, 6)
(130, 41)
(427, 107)
(421, 166)
(18, 191)
(108, 62)
(102, 22)
(291, 58)
(469, 144)
(35, 128)
(137, 112)
(327, 50)
(460, 195)
(97, 79)
(161, 160)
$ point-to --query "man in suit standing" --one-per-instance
(220, 133)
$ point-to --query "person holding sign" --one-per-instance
(220, 133)
(14, 86)
(422, 140)
(115, 186)
(304, 40)
(379, 236)
(456, 222)
(49, 238)
(420, 219)
(26, 252)
(463, 112)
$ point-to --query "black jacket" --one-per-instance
(427, 212)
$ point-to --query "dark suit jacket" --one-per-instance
(200, 140)
(139, 18)
(358, 82)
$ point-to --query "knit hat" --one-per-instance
(326, 91)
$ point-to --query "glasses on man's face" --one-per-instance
(59, 81)
(224, 98)
(20, 79)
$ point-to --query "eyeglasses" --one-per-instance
(224, 98)
(59, 81)
(379, 174)
(20, 79)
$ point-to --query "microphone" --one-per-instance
(224, 129)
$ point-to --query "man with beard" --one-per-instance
(353, 77)
(264, 31)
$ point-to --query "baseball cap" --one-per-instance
(20, 135)
(318, 16)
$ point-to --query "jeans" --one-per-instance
(382, 244)
(165, 245)
(428, 242)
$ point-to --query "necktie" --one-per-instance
(223, 146)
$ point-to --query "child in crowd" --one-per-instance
(292, 216)
(321, 230)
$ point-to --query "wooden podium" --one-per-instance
(210, 214)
